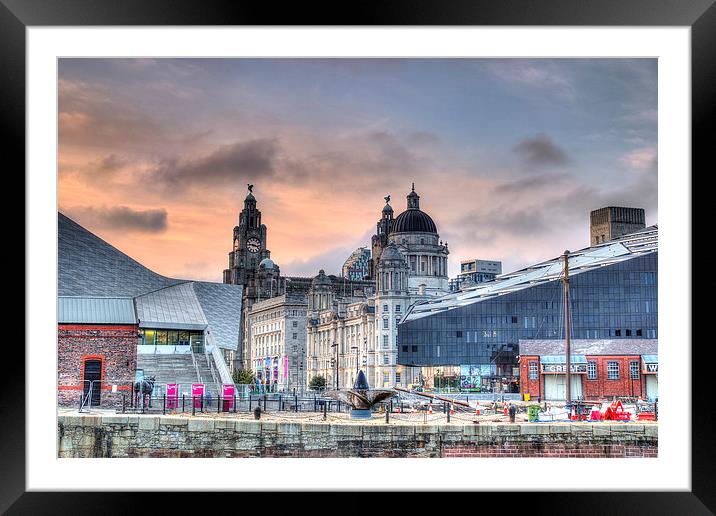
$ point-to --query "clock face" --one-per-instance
(253, 245)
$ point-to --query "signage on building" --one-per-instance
(172, 395)
(651, 368)
(228, 392)
(562, 368)
(197, 391)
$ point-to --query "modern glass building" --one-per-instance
(475, 333)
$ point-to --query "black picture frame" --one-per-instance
(700, 15)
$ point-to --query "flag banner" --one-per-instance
(172, 395)
(228, 393)
(197, 390)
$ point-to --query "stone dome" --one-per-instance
(391, 252)
(413, 220)
(267, 263)
(321, 279)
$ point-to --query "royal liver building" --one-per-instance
(346, 333)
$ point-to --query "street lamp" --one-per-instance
(334, 345)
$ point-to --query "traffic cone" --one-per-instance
(505, 411)
(477, 410)
(452, 409)
(431, 409)
(398, 409)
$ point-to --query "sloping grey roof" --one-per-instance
(88, 266)
(174, 307)
(614, 251)
(221, 304)
(590, 347)
(95, 310)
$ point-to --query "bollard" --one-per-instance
(218, 404)
(124, 402)
(182, 402)
(387, 416)
(264, 403)
(234, 403)
(391, 405)
(295, 400)
(315, 404)
(280, 403)
(193, 405)
(249, 402)
(164, 404)
(448, 416)
(325, 410)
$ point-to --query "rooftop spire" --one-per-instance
(413, 199)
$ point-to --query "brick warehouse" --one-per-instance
(601, 369)
(119, 321)
(113, 346)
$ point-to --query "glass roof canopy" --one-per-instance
(623, 248)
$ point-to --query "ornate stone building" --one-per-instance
(409, 264)
(349, 324)
(250, 265)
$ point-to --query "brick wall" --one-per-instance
(114, 345)
(177, 436)
(601, 387)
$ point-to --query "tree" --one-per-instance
(317, 383)
(244, 376)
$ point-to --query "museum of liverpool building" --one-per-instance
(472, 338)
(119, 321)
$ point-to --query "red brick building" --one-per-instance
(118, 321)
(600, 369)
(96, 350)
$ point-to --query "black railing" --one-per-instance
(209, 403)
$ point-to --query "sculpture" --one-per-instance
(361, 397)
(145, 386)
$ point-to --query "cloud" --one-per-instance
(531, 184)
(643, 158)
(119, 218)
(540, 74)
(229, 164)
(330, 261)
(540, 150)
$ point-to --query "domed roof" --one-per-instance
(391, 252)
(267, 263)
(414, 220)
(321, 279)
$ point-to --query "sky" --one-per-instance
(509, 156)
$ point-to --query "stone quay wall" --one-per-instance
(172, 436)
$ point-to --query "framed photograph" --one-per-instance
(297, 251)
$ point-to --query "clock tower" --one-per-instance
(248, 245)
(250, 265)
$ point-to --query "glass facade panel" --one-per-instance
(604, 299)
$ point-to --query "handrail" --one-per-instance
(86, 399)
(209, 365)
(196, 367)
(220, 362)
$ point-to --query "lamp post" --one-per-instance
(334, 345)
